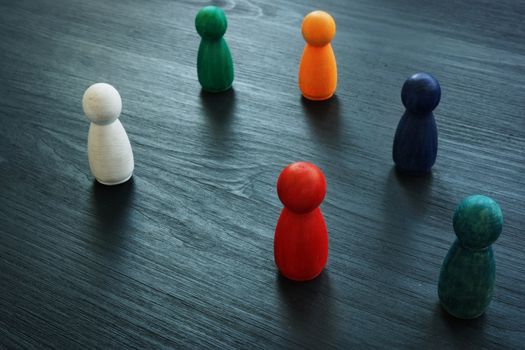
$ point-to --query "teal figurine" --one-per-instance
(466, 281)
(214, 61)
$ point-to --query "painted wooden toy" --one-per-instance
(214, 60)
(416, 139)
(301, 238)
(466, 281)
(318, 69)
(109, 151)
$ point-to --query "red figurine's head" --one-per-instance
(301, 187)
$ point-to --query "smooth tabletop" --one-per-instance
(181, 256)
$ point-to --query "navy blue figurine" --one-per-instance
(416, 140)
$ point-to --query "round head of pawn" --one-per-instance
(478, 222)
(318, 28)
(211, 22)
(301, 187)
(421, 93)
(102, 104)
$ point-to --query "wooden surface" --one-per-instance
(182, 256)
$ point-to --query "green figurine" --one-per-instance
(466, 281)
(214, 61)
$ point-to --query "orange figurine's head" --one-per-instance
(318, 28)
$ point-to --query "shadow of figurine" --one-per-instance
(218, 107)
(459, 323)
(457, 331)
(324, 120)
(308, 307)
(405, 202)
(444, 331)
(415, 189)
(112, 205)
(219, 110)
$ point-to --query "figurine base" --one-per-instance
(317, 98)
(304, 279)
(217, 91)
(412, 172)
(116, 182)
(459, 316)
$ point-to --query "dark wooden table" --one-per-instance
(182, 256)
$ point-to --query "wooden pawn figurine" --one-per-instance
(416, 140)
(466, 281)
(109, 151)
(318, 68)
(214, 60)
(301, 238)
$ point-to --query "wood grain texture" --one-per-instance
(181, 256)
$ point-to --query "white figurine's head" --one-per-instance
(102, 104)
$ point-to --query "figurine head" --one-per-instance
(478, 222)
(318, 28)
(421, 93)
(301, 187)
(101, 103)
(211, 22)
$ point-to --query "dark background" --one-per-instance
(182, 255)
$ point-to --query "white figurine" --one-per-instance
(109, 151)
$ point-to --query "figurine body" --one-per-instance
(318, 68)
(109, 150)
(416, 139)
(301, 238)
(214, 61)
(466, 280)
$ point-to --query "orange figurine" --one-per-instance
(318, 69)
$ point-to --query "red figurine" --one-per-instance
(301, 240)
